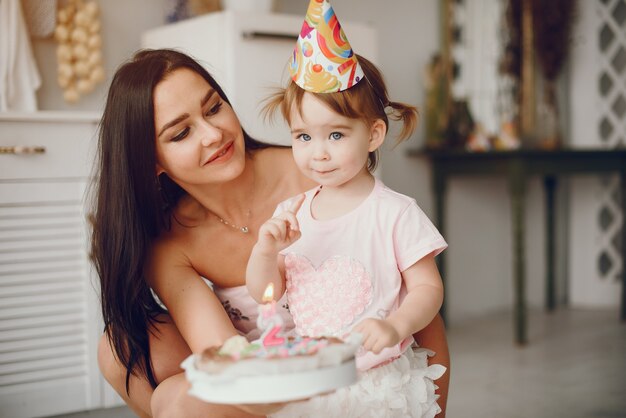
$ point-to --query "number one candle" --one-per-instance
(269, 321)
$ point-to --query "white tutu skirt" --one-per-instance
(403, 388)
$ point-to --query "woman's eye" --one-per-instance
(213, 110)
(304, 137)
(181, 135)
(336, 136)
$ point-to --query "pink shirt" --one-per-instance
(346, 269)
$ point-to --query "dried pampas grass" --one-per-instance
(553, 22)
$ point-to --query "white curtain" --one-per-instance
(19, 76)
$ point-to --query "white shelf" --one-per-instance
(50, 116)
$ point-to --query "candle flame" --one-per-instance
(268, 295)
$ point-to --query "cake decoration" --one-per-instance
(273, 368)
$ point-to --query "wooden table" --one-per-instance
(517, 166)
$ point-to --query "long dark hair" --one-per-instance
(132, 206)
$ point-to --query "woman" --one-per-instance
(181, 193)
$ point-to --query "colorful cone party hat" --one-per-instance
(323, 61)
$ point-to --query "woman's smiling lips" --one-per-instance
(223, 154)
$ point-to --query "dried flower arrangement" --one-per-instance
(553, 22)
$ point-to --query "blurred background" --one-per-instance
(524, 78)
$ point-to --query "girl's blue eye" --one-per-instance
(304, 137)
(336, 136)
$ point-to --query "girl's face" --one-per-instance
(329, 148)
(199, 138)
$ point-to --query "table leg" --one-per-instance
(549, 183)
(623, 191)
(518, 204)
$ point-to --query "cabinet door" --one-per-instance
(263, 47)
(47, 322)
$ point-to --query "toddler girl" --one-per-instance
(352, 254)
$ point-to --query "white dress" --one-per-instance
(403, 388)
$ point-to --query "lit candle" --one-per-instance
(269, 321)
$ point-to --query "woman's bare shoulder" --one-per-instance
(273, 155)
(278, 162)
(166, 256)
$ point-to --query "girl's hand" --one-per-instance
(377, 334)
(280, 231)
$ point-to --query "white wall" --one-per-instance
(588, 194)
(122, 24)
(479, 258)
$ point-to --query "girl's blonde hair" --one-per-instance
(367, 100)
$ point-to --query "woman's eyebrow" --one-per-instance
(207, 97)
(173, 122)
(184, 116)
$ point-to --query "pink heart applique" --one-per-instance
(325, 300)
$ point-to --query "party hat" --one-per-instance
(323, 60)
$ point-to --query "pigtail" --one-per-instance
(407, 114)
(281, 100)
(271, 105)
(375, 103)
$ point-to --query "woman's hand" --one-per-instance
(377, 334)
(280, 231)
(262, 408)
(270, 408)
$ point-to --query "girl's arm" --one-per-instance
(265, 264)
(417, 310)
(263, 269)
(423, 300)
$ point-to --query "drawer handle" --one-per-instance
(269, 35)
(22, 150)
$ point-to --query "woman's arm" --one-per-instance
(198, 321)
(434, 338)
(195, 310)
(170, 398)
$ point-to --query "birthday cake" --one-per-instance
(242, 372)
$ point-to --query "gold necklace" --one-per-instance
(243, 228)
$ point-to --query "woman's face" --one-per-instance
(199, 139)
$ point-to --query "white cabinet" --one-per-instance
(49, 310)
(247, 53)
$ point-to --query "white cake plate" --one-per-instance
(268, 388)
